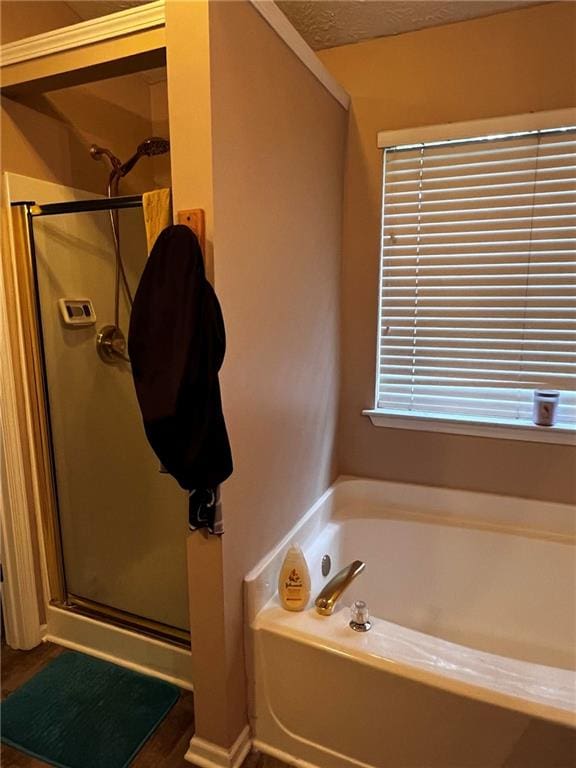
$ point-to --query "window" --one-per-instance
(478, 277)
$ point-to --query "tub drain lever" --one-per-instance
(359, 617)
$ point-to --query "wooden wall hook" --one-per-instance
(196, 220)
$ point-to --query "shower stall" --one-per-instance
(114, 525)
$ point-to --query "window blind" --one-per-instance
(478, 277)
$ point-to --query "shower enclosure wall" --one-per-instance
(122, 523)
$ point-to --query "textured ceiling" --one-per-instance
(91, 9)
(327, 23)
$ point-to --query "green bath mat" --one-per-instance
(81, 712)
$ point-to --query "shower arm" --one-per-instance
(126, 167)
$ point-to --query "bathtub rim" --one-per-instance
(299, 628)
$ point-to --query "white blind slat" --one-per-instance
(466, 202)
(507, 149)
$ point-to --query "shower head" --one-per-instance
(155, 145)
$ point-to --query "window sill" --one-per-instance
(505, 430)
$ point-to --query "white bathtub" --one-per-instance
(472, 647)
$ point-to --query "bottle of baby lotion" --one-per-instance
(294, 581)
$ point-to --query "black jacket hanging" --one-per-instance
(176, 344)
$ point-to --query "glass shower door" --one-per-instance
(123, 523)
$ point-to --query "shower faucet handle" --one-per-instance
(111, 344)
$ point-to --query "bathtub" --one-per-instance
(471, 656)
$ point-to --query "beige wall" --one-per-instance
(24, 18)
(511, 63)
(278, 147)
(190, 111)
(260, 146)
(160, 127)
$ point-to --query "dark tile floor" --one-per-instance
(165, 748)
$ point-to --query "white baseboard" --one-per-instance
(120, 646)
(206, 754)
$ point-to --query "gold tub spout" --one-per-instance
(327, 599)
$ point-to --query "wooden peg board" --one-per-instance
(195, 219)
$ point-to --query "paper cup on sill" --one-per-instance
(545, 407)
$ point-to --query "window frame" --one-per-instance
(504, 429)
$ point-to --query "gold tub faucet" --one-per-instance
(327, 599)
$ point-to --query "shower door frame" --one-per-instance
(39, 435)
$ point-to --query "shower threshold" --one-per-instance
(124, 620)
